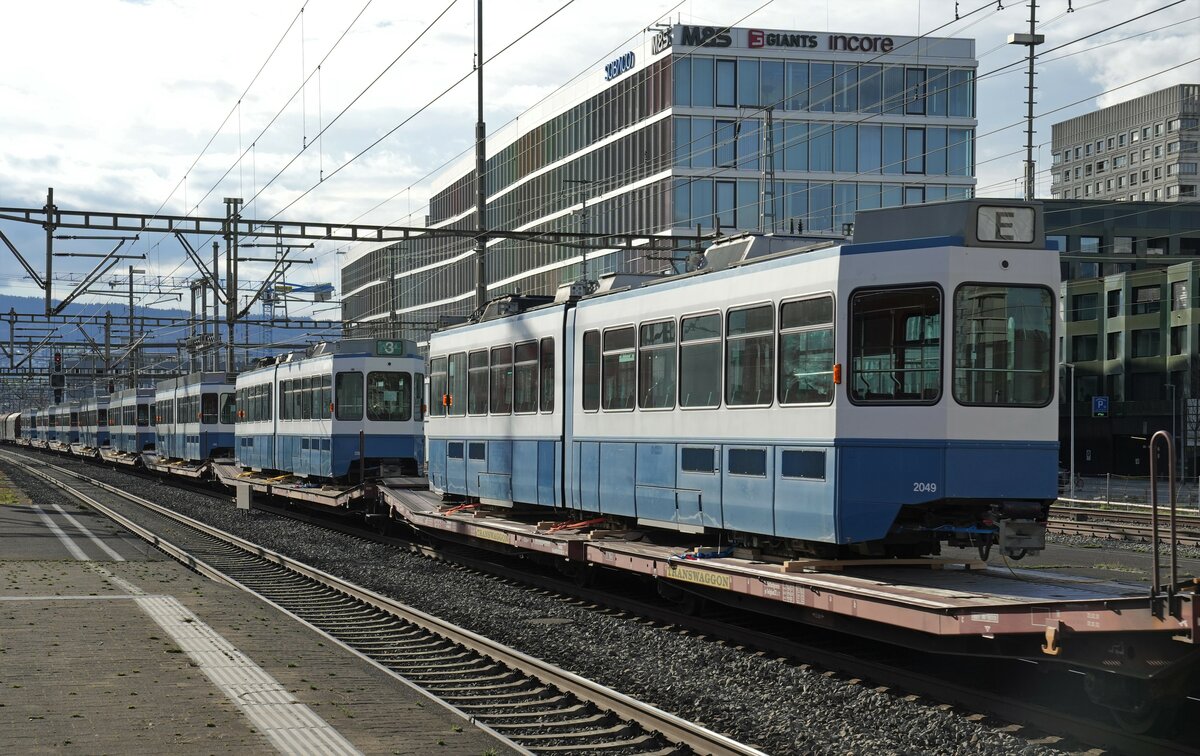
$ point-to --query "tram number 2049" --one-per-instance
(920, 487)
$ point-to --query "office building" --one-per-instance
(692, 128)
(1131, 328)
(1146, 149)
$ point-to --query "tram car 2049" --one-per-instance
(880, 397)
(338, 411)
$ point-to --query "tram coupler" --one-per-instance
(1020, 537)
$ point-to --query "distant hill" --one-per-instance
(289, 338)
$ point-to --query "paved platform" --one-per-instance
(117, 649)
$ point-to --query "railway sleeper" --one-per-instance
(548, 695)
(618, 730)
(424, 652)
(484, 694)
(474, 677)
(380, 626)
(482, 669)
(541, 724)
(539, 716)
(403, 662)
(425, 663)
(612, 745)
(502, 683)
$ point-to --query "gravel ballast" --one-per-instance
(774, 704)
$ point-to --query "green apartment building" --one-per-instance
(1131, 328)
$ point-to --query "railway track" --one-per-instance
(1122, 524)
(534, 705)
(875, 666)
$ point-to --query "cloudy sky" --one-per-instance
(175, 104)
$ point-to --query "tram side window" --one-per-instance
(348, 390)
(1003, 345)
(228, 408)
(502, 380)
(700, 361)
(806, 351)
(525, 377)
(750, 356)
(285, 400)
(143, 415)
(389, 396)
(619, 369)
(326, 396)
(656, 365)
(437, 386)
(298, 403)
(896, 345)
(208, 408)
(477, 383)
(547, 374)
(456, 379)
(591, 370)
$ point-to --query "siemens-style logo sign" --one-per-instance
(706, 36)
(619, 66)
(760, 38)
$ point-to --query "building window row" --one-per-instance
(797, 206)
(823, 147)
(819, 87)
(1119, 141)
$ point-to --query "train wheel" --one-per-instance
(1153, 717)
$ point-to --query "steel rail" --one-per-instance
(675, 729)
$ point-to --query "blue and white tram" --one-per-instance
(879, 397)
(131, 421)
(64, 424)
(339, 410)
(496, 414)
(93, 423)
(194, 417)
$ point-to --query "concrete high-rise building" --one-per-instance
(1146, 149)
(692, 127)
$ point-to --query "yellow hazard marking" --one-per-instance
(700, 577)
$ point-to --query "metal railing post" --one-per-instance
(1155, 585)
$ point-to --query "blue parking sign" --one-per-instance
(1099, 406)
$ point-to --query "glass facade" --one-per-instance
(756, 134)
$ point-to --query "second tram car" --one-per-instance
(877, 397)
(194, 417)
(130, 420)
(337, 411)
(93, 423)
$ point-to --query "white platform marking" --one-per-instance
(80, 527)
(71, 547)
